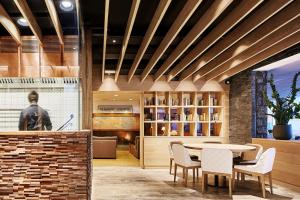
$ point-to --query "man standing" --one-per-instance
(34, 118)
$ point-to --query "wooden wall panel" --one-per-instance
(8, 64)
(287, 160)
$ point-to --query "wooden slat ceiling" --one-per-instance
(43, 17)
(189, 39)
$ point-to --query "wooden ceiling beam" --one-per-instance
(269, 27)
(234, 17)
(277, 48)
(55, 20)
(27, 14)
(269, 9)
(9, 25)
(180, 21)
(133, 11)
(104, 37)
(212, 13)
(278, 35)
(157, 17)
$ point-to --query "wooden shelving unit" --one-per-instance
(183, 114)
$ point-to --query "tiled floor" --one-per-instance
(130, 183)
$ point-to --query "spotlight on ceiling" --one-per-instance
(66, 5)
(227, 82)
(22, 21)
(114, 41)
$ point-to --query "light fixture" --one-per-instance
(130, 99)
(66, 5)
(114, 41)
(116, 95)
(22, 21)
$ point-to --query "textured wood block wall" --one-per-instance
(45, 165)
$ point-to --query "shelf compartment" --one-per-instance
(215, 99)
(175, 99)
(215, 114)
(149, 99)
(149, 114)
(202, 114)
(215, 129)
(188, 114)
(163, 129)
(150, 129)
(202, 129)
(176, 129)
(163, 114)
(202, 99)
(188, 129)
(162, 99)
(188, 98)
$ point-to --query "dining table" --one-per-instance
(235, 148)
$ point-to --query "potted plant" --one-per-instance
(283, 109)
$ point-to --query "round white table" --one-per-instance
(233, 147)
(237, 148)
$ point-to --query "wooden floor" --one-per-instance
(124, 158)
(110, 183)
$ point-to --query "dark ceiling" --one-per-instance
(68, 19)
(117, 21)
(93, 17)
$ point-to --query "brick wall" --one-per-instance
(45, 165)
(246, 107)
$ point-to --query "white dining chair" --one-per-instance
(262, 168)
(248, 158)
(217, 162)
(182, 159)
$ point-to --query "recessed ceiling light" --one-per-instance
(74, 48)
(130, 99)
(114, 41)
(66, 5)
(22, 21)
(116, 95)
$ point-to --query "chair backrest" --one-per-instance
(253, 155)
(170, 151)
(170, 147)
(217, 160)
(265, 161)
(181, 155)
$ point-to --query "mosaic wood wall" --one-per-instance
(45, 165)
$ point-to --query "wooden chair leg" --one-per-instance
(233, 180)
(197, 172)
(194, 175)
(242, 177)
(238, 179)
(175, 172)
(203, 182)
(183, 173)
(270, 182)
(171, 166)
(186, 176)
(230, 185)
(259, 181)
(263, 186)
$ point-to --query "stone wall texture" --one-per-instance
(45, 165)
(247, 109)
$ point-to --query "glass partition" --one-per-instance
(60, 97)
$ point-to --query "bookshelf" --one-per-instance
(183, 114)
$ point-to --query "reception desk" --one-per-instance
(45, 165)
(287, 160)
